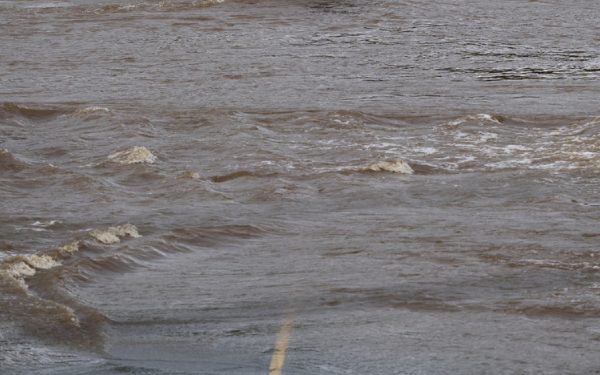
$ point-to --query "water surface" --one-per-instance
(408, 187)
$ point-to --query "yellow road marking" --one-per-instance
(281, 345)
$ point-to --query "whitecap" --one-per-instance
(190, 174)
(19, 266)
(478, 117)
(425, 150)
(92, 109)
(133, 155)
(396, 166)
(111, 235)
(206, 2)
(43, 224)
(69, 247)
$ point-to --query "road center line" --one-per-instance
(281, 345)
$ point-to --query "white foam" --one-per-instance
(206, 2)
(129, 7)
(509, 149)
(425, 150)
(478, 117)
(484, 137)
(41, 261)
(508, 164)
(19, 266)
(86, 110)
(43, 224)
(69, 247)
(190, 174)
(111, 235)
(117, 8)
(17, 270)
(396, 166)
(592, 65)
(561, 265)
(482, 142)
(133, 155)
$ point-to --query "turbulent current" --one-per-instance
(299, 187)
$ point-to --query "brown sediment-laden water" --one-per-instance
(299, 187)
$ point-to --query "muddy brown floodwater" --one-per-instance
(299, 187)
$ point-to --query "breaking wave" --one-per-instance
(396, 166)
(485, 142)
(10, 108)
(133, 155)
(190, 174)
(42, 307)
(111, 235)
(91, 109)
(38, 292)
(19, 266)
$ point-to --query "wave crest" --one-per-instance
(133, 155)
(396, 166)
(21, 265)
(92, 109)
(111, 235)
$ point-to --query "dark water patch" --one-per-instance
(210, 235)
(10, 164)
(346, 7)
(10, 109)
(240, 174)
(425, 169)
(45, 320)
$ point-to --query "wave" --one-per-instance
(576, 300)
(20, 116)
(189, 174)
(133, 155)
(88, 110)
(43, 308)
(487, 142)
(557, 264)
(396, 166)
(11, 109)
(111, 235)
(207, 2)
(240, 174)
(39, 226)
(20, 266)
(8, 162)
(12, 164)
(211, 235)
(119, 8)
(39, 292)
(479, 117)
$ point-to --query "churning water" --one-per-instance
(299, 187)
